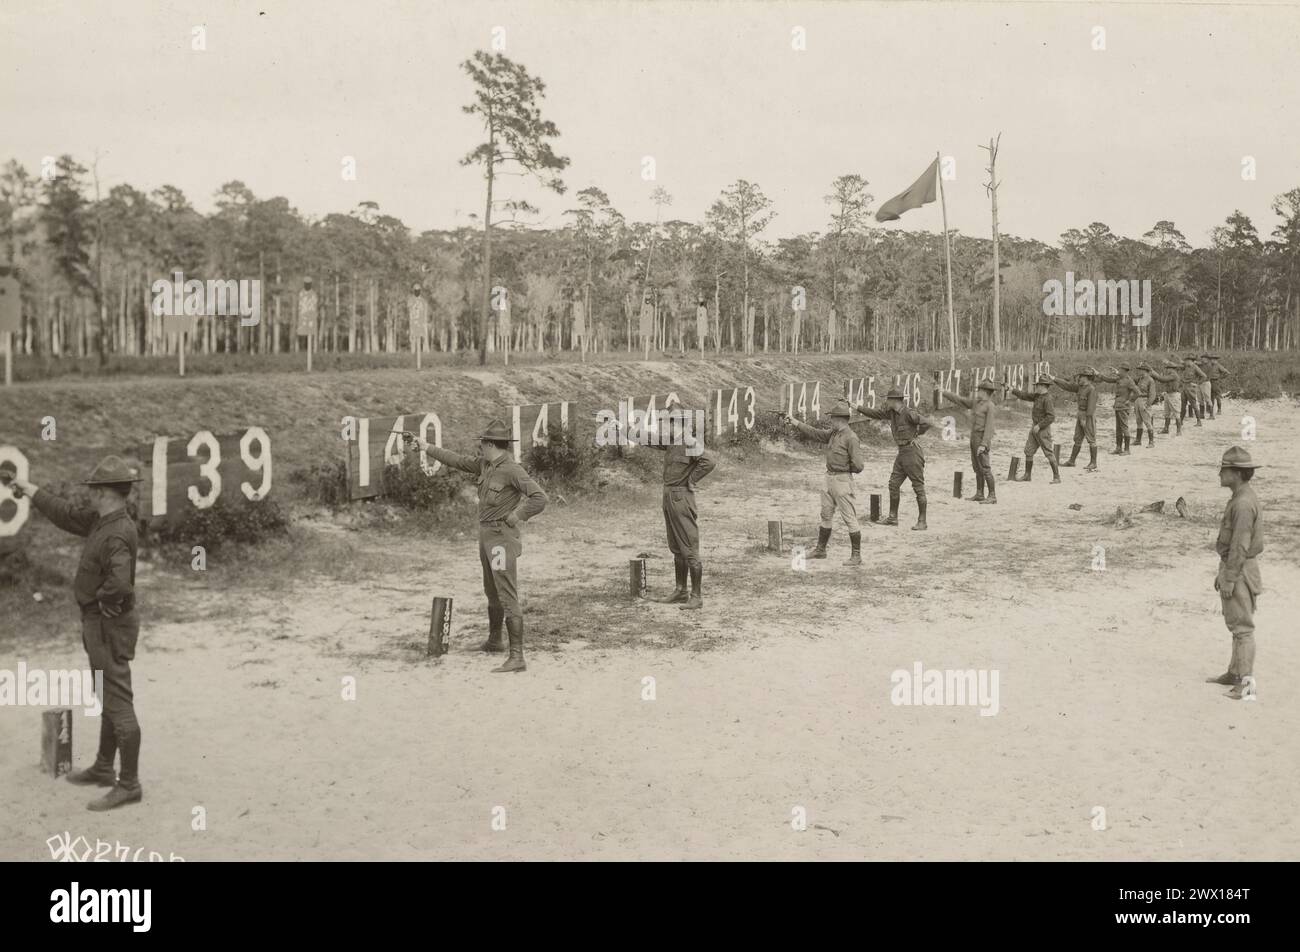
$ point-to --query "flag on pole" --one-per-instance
(921, 192)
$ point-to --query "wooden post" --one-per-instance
(440, 627)
(875, 507)
(180, 350)
(9, 358)
(310, 339)
(992, 189)
(637, 578)
(956, 485)
(775, 536)
(1015, 468)
(56, 741)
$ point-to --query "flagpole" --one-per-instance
(947, 257)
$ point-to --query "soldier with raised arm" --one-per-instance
(905, 426)
(844, 460)
(1148, 392)
(983, 415)
(1042, 417)
(1216, 372)
(1125, 391)
(686, 462)
(1169, 386)
(507, 498)
(1189, 380)
(1085, 422)
(104, 587)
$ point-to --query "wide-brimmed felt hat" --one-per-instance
(1238, 458)
(1125, 367)
(111, 470)
(894, 394)
(987, 384)
(1144, 366)
(841, 409)
(1088, 372)
(1043, 381)
(498, 432)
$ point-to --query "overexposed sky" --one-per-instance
(1155, 126)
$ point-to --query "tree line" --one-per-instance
(87, 261)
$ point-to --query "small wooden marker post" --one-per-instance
(775, 536)
(956, 485)
(56, 741)
(440, 627)
(1015, 468)
(875, 507)
(637, 578)
(1056, 451)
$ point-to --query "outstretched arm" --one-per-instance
(75, 519)
(958, 399)
(817, 433)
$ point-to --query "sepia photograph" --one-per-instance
(650, 431)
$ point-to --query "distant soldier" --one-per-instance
(1042, 416)
(1085, 422)
(1206, 399)
(844, 459)
(1125, 391)
(1170, 385)
(983, 415)
(1148, 392)
(1190, 382)
(1216, 373)
(682, 471)
(1240, 541)
(507, 498)
(905, 426)
(104, 588)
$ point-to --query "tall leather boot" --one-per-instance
(1074, 455)
(1092, 460)
(1029, 470)
(979, 488)
(496, 618)
(1128, 444)
(823, 536)
(101, 772)
(1119, 444)
(696, 600)
(855, 540)
(892, 519)
(1139, 436)
(1151, 436)
(515, 661)
(992, 498)
(920, 514)
(679, 593)
(1166, 429)
(1056, 473)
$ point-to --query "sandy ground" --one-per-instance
(775, 698)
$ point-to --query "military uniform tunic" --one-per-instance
(1085, 422)
(905, 425)
(105, 579)
(681, 519)
(507, 498)
(1239, 543)
(843, 459)
(1042, 416)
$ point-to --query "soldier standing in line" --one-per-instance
(1206, 401)
(843, 460)
(1085, 423)
(1125, 391)
(1148, 392)
(507, 498)
(1217, 372)
(104, 588)
(1170, 386)
(686, 462)
(1042, 417)
(1240, 541)
(905, 426)
(1190, 380)
(982, 429)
